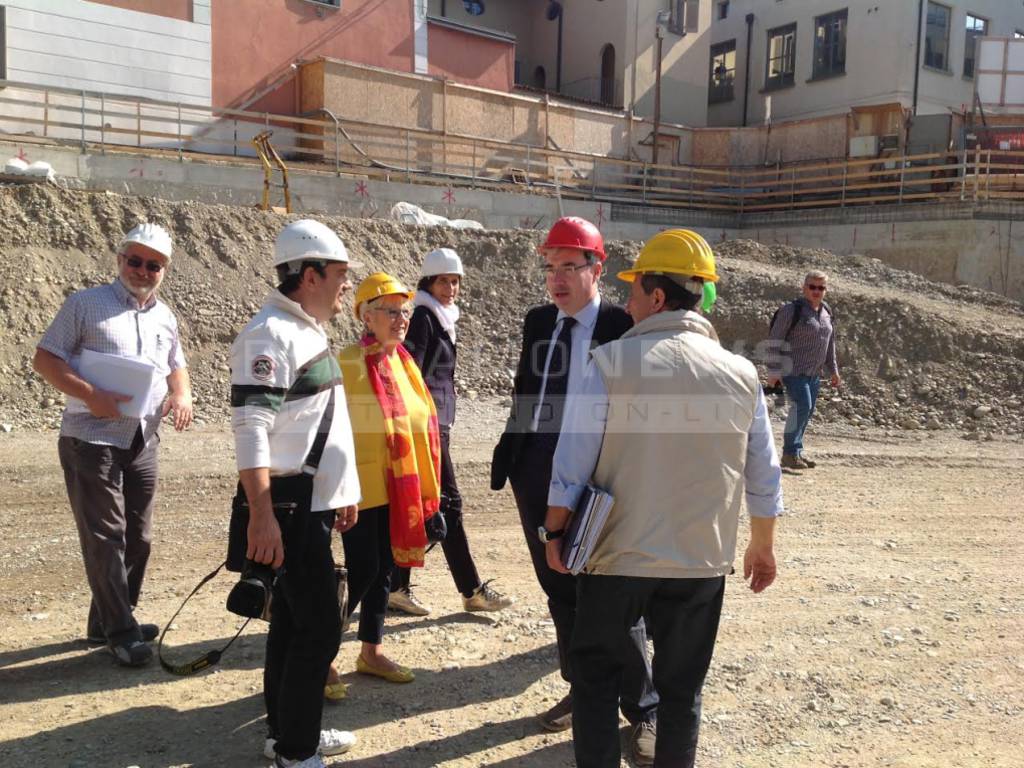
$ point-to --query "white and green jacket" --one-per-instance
(282, 373)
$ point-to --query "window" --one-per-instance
(685, 16)
(830, 44)
(723, 72)
(723, 9)
(781, 57)
(976, 27)
(936, 37)
(474, 7)
(1017, 34)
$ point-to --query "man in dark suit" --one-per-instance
(557, 339)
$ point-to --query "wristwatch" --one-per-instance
(545, 535)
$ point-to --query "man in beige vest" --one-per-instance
(677, 430)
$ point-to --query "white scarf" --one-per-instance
(447, 316)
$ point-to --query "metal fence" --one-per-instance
(100, 122)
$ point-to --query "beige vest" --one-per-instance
(674, 449)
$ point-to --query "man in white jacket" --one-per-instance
(294, 448)
(676, 429)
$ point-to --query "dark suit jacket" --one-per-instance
(434, 352)
(612, 322)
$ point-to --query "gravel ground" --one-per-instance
(893, 636)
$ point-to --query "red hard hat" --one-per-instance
(574, 232)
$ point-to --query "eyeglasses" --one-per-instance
(566, 270)
(816, 288)
(393, 314)
(151, 266)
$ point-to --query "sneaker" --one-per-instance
(558, 718)
(792, 461)
(641, 744)
(310, 762)
(133, 653)
(332, 742)
(809, 463)
(486, 599)
(150, 632)
(403, 600)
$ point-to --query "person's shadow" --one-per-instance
(153, 734)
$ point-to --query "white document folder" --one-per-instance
(124, 375)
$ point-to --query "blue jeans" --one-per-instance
(803, 395)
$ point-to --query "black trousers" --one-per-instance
(304, 636)
(684, 616)
(111, 491)
(530, 479)
(455, 545)
(370, 564)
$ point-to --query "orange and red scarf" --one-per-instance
(407, 506)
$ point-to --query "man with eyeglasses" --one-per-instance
(294, 446)
(110, 459)
(806, 325)
(557, 339)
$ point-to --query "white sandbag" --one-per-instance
(407, 213)
(15, 166)
(42, 170)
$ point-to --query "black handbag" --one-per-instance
(287, 495)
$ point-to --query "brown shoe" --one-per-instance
(792, 461)
(809, 462)
(558, 718)
(641, 744)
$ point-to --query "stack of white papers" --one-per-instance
(123, 375)
(584, 527)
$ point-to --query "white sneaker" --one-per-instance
(403, 600)
(310, 762)
(332, 742)
(486, 599)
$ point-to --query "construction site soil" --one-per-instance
(894, 635)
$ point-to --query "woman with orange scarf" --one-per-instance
(398, 456)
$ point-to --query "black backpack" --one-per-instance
(796, 316)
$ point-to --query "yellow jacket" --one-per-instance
(368, 427)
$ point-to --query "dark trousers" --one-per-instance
(455, 545)
(530, 479)
(370, 563)
(684, 617)
(111, 491)
(304, 636)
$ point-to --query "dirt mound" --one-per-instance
(913, 353)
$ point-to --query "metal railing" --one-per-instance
(103, 122)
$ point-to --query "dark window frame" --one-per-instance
(931, 58)
(830, 54)
(971, 36)
(786, 78)
(725, 88)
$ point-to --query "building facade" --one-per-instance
(157, 49)
(774, 60)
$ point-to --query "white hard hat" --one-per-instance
(306, 239)
(153, 236)
(442, 261)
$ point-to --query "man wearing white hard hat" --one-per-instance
(108, 439)
(294, 448)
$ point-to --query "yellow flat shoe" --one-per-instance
(398, 675)
(335, 692)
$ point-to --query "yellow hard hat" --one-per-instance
(380, 284)
(674, 252)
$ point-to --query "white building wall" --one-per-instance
(93, 47)
(880, 57)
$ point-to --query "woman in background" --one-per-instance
(431, 342)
